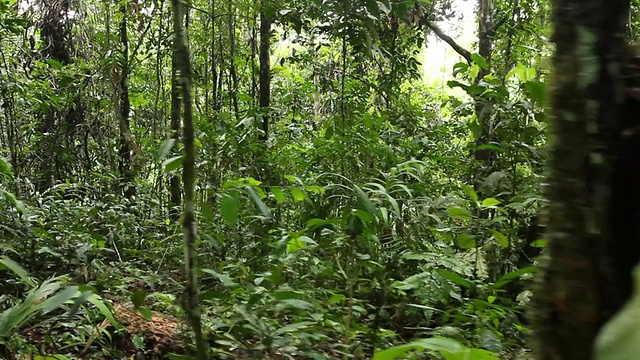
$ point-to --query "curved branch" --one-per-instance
(446, 38)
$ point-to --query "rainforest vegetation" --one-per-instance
(318, 179)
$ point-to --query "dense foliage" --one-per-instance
(344, 205)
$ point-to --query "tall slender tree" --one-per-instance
(594, 220)
(125, 139)
(184, 76)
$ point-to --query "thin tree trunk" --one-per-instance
(125, 164)
(175, 193)
(593, 217)
(183, 68)
(265, 73)
(233, 92)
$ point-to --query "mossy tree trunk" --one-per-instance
(184, 77)
(594, 219)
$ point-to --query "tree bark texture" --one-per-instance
(125, 164)
(593, 223)
(175, 193)
(184, 74)
(265, 72)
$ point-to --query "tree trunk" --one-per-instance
(594, 221)
(483, 110)
(183, 69)
(125, 140)
(175, 193)
(265, 72)
(233, 92)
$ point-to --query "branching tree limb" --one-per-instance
(446, 38)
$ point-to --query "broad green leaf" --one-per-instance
(490, 202)
(255, 199)
(225, 279)
(454, 278)
(328, 133)
(165, 148)
(537, 91)
(460, 67)
(466, 241)
(470, 192)
(500, 238)
(294, 304)
(459, 213)
(288, 294)
(24, 276)
(98, 302)
(146, 313)
(6, 169)
(364, 203)
(619, 339)
(298, 195)
(396, 352)
(295, 244)
(509, 277)
(278, 194)
(207, 212)
(54, 63)
(58, 299)
(172, 163)
(480, 60)
(290, 328)
(138, 297)
(230, 208)
(538, 243)
(11, 199)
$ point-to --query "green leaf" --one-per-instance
(11, 199)
(454, 84)
(470, 192)
(98, 302)
(138, 297)
(207, 212)
(509, 277)
(54, 63)
(480, 60)
(396, 352)
(619, 338)
(278, 194)
(538, 243)
(537, 91)
(230, 208)
(165, 148)
(466, 241)
(146, 313)
(6, 263)
(500, 238)
(328, 134)
(454, 278)
(6, 169)
(58, 299)
(295, 304)
(172, 163)
(490, 202)
(225, 279)
(290, 328)
(460, 67)
(459, 213)
(295, 244)
(255, 199)
(298, 195)
(449, 348)
(364, 203)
